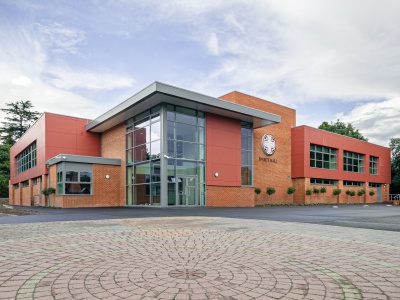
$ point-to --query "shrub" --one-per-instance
(337, 192)
(257, 190)
(315, 191)
(270, 191)
(308, 192)
(360, 193)
(371, 193)
(322, 190)
(291, 190)
(48, 191)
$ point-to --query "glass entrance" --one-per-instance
(187, 190)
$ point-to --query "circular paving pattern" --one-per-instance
(161, 260)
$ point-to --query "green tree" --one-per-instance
(19, 118)
(4, 169)
(395, 149)
(343, 129)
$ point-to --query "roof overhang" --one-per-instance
(83, 160)
(158, 93)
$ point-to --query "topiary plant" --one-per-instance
(291, 191)
(47, 192)
(308, 192)
(257, 190)
(337, 192)
(270, 191)
(371, 193)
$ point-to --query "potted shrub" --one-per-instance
(291, 191)
(270, 191)
(337, 192)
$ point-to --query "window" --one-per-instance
(374, 184)
(25, 183)
(16, 186)
(78, 182)
(247, 154)
(352, 183)
(373, 165)
(322, 157)
(35, 181)
(323, 181)
(74, 179)
(26, 159)
(353, 162)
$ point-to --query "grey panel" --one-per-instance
(158, 93)
(83, 159)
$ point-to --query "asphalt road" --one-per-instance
(375, 216)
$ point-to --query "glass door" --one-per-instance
(187, 190)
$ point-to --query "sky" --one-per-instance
(329, 60)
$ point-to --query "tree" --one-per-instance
(19, 118)
(291, 191)
(395, 149)
(337, 192)
(4, 170)
(343, 129)
(270, 191)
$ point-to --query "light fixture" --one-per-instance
(216, 174)
(107, 176)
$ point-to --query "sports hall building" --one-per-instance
(168, 147)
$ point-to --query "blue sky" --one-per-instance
(327, 59)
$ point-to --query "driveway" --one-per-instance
(375, 216)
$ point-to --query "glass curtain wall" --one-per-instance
(143, 150)
(186, 156)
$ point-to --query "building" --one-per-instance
(166, 146)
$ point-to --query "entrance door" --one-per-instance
(187, 190)
(379, 194)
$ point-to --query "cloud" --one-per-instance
(212, 44)
(64, 38)
(63, 77)
(22, 81)
(379, 121)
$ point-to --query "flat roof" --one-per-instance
(158, 92)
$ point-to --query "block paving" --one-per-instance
(197, 258)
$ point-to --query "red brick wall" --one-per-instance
(113, 146)
(276, 174)
(230, 196)
(105, 191)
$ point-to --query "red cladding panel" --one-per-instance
(54, 134)
(303, 136)
(223, 151)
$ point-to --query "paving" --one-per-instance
(196, 257)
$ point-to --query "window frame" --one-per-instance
(318, 159)
(351, 162)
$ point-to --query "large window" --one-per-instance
(353, 162)
(323, 181)
(247, 154)
(143, 151)
(352, 183)
(186, 138)
(373, 165)
(322, 157)
(26, 159)
(74, 179)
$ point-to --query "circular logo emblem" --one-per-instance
(268, 144)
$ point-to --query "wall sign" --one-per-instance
(268, 144)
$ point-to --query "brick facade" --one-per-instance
(275, 170)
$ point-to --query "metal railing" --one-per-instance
(394, 197)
